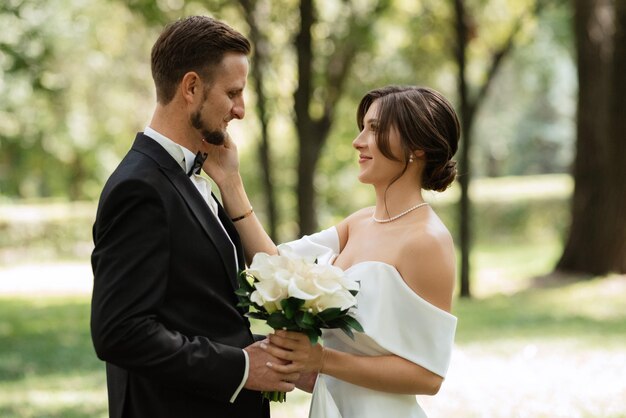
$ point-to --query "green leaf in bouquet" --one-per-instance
(346, 328)
(347, 324)
(308, 318)
(245, 288)
(304, 320)
(313, 335)
(353, 323)
(291, 306)
(277, 320)
(257, 315)
(242, 292)
(247, 279)
(329, 314)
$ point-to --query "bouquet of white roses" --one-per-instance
(294, 293)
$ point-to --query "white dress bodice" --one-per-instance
(395, 321)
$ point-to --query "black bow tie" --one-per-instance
(197, 163)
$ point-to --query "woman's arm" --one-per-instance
(388, 373)
(382, 373)
(251, 231)
(222, 165)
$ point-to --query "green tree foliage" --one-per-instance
(75, 86)
(69, 90)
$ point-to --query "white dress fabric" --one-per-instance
(395, 321)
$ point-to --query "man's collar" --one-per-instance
(182, 155)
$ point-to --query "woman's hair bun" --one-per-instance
(441, 177)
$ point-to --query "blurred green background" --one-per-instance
(75, 86)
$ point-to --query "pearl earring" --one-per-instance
(410, 159)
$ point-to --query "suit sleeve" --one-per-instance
(130, 263)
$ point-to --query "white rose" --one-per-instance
(303, 287)
(268, 294)
(342, 299)
(290, 253)
(289, 275)
(271, 287)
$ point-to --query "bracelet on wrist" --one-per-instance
(321, 369)
(245, 215)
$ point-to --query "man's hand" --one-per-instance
(261, 377)
(306, 382)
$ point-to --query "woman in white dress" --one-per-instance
(399, 250)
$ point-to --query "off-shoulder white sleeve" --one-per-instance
(323, 246)
(398, 320)
(394, 318)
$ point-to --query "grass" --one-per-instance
(47, 364)
(590, 312)
(513, 189)
(527, 345)
(48, 368)
(510, 267)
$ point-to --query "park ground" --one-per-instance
(529, 344)
(555, 348)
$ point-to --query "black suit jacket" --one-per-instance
(164, 315)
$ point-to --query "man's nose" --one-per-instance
(239, 109)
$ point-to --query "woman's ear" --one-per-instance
(418, 154)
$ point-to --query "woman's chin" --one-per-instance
(364, 179)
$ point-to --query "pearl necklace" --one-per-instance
(393, 218)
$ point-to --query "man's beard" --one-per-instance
(212, 137)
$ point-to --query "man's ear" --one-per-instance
(190, 86)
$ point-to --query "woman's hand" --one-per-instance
(222, 161)
(296, 349)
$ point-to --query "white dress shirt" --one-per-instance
(185, 158)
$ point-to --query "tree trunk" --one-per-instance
(464, 172)
(259, 63)
(469, 107)
(596, 242)
(313, 130)
(310, 148)
(616, 251)
(309, 145)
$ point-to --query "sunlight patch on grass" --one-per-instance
(507, 269)
(598, 298)
(591, 312)
(47, 211)
(72, 394)
(510, 189)
(538, 379)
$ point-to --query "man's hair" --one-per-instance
(196, 43)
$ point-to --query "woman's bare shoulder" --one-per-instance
(427, 262)
(351, 222)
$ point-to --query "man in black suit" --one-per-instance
(166, 256)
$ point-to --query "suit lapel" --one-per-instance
(234, 236)
(194, 201)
